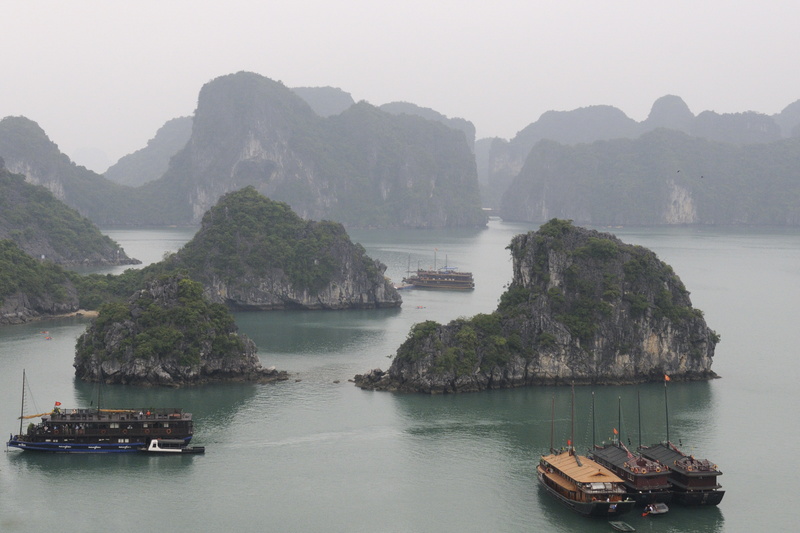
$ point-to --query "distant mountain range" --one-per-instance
(150, 163)
(397, 165)
(505, 159)
(662, 177)
(363, 167)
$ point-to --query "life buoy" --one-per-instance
(658, 469)
(102, 431)
(55, 432)
(715, 467)
(689, 468)
(146, 431)
(124, 431)
(169, 431)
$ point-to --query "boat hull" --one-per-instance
(596, 508)
(73, 447)
(707, 497)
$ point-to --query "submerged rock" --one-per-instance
(583, 307)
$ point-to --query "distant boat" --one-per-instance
(582, 484)
(100, 430)
(445, 278)
(694, 481)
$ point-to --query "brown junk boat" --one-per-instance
(583, 485)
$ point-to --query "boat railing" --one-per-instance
(117, 414)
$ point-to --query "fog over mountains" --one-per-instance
(402, 165)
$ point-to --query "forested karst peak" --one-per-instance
(582, 307)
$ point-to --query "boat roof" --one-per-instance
(619, 456)
(671, 456)
(586, 472)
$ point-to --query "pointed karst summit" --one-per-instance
(363, 167)
(252, 253)
(167, 334)
(583, 307)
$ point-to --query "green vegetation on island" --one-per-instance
(582, 307)
(48, 229)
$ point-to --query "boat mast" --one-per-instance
(572, 422)
(593, 424)
(552, 421)
(666, 407)
(571, 446)
(619, 420)
(22, 403)
(639, 409)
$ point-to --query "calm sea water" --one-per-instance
(317, 454)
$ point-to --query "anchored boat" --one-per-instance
(646, 480)
(693, 481)
(583, 485)
(580, 483)
(445, 278)
(99, 430)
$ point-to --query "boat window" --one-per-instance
(114, 425)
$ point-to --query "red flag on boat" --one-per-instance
(616, 432)
(666, 377)
(58, 403)
(569, 442)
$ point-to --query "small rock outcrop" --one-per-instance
(168, 334)
(583, 307)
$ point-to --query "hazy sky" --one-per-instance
(105, 75)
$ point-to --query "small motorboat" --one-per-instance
(655, 509)
(171, 447)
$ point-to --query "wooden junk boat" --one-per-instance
(580, 483)
(100, 430)
(583, 485)
(445, 278)
(646, 480)
(693, 481)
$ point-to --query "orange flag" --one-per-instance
(616, 432)
(666, 377)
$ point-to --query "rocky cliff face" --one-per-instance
(662, 177)
(582, 308)
(167, 335)
(19, 307)
(362, 167)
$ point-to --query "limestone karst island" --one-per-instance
(583, 307)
